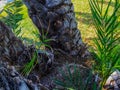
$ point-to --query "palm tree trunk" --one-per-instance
(57, 18)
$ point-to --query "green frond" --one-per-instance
(105, 53)
(30, 65)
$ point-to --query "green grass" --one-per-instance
(27, 25)
(84, 19)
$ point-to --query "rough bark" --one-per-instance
(13, 51)
(57, 17)
(10, 79)
(10, 46)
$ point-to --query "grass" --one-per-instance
(84, 19)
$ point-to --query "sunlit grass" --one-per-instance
(27, 25)
(84, 19)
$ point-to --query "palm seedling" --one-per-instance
(107, 44)
(42, 40)
(30, 65)
(73, 79)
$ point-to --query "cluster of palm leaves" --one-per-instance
(42, 40)
(107, 45)
(30, 65)
(73, 80)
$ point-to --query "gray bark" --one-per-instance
(10, 79)
(10, 46)
(12, 49)
(57, 17)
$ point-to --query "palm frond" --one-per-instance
(106, 41)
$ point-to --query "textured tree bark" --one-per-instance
(57, 18)
(13, 51)
(10, 79)
(10, 46)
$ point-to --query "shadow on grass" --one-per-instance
(85, 18)
(106, 3)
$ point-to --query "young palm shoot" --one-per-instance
(30, 65)
(106, 44)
